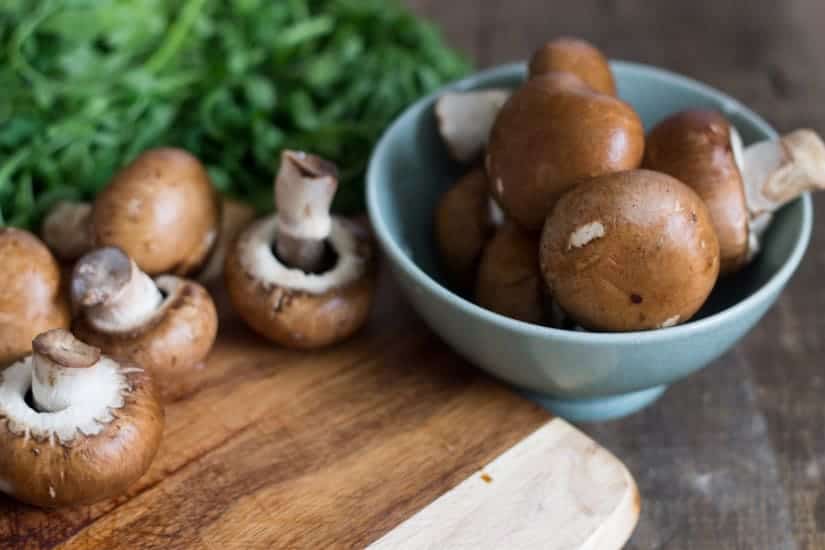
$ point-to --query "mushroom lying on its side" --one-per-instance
(576, 56)
(161, 210)
(465, 220)
(31, 296)
(630, 251)
(300, 277)
(742, 187)
(91, 428)
(509, 279)
(167, 325)
(552, 133)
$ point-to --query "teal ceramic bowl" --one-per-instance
(581, 376)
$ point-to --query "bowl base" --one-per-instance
(597, 409)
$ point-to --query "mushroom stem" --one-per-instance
(115, 295)
(304, 189)
(466, 118)
(776, 172)
(63, 369)
(67, 229)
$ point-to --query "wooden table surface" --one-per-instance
(733, 457)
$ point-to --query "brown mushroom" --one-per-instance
(67, 230)
(576, 56)
(465, 220)
(317, 289)
(509, 279)
(235, 217)
(465, 119)
(552, 133)
(629, 251)
(166, 325)
(695, 147)
(90, 428)
(741, 186)
(161, 210)
(31, 296)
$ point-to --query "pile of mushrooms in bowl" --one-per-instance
(112, 314)
(599, 230)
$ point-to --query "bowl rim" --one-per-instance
(711, 322)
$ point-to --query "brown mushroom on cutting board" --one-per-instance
(552, 133)
(634, 250)
(166, 325)
(161, 209)
(465, 220)
(741, 186)
(31, 295)
(79, 427)
(576, 56)
(300, 277)
(509, 279)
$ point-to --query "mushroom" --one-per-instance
(166, 325)
(235, 217)
(300, 277)
(742, 187)
(161, 210)
(79, 427)
(576, 56)
(67, 229)
(552, 133)
(465, 119)
(634, 250)
(31, 296)
(465, 220)
(509, 279)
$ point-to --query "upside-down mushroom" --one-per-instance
(31, 295)
(78, 427)
(630, 251)
(741, 186)
(301, 277)
(554, 132)
(166, 325)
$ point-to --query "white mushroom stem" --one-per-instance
(466, 119)
(775, 172)
(112, 291)
(64, 371)
(67, 229)
(304, 189)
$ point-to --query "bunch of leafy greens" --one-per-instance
(86, 85)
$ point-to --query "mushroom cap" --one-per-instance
(32, 299)
(43, 469)
(161, 210)
(173, 342)
(554, 132)
(629, 251)
(463, 226)
(695, 147)
(576, 56)
(296, 309)
(509, 279)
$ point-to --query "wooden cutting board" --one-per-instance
(389, 440)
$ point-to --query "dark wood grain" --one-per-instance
(734, 457)
(280, 449)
